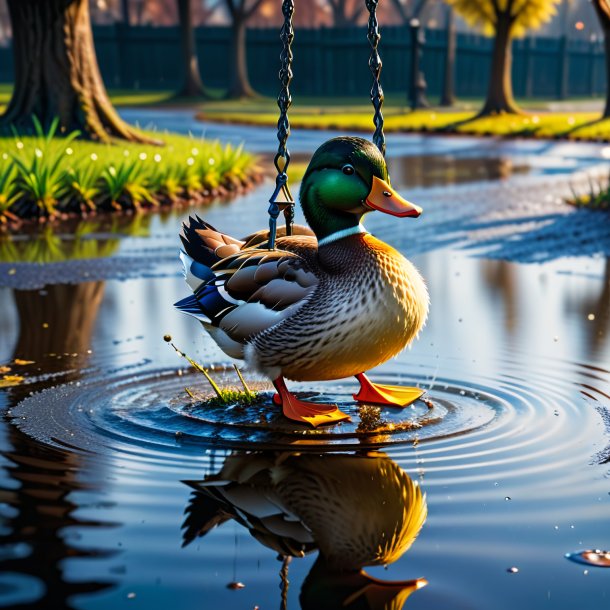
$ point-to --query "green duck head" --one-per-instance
(346, 178)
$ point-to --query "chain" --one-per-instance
(375, 65)
(284, 100)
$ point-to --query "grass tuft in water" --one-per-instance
(224, 396)
(598, 197)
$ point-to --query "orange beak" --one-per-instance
(384, 198)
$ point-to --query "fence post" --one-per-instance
(562, 76)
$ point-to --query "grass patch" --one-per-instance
(223, 396)
(539, 123)
(44, 177)
(598, 197)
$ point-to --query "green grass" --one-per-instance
(598, 197)
(43, 176)
(119, 97)
(345, 115)
(570, 125)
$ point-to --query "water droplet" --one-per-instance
(591, 316)
(462, 393)
(131, 595)
(597, 558)
(507, 498)
(585, 572)
(236, 585)
(556, 527)
(512, 570)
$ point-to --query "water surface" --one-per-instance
(99, 494)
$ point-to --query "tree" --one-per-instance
(504, 19)
(346, 13)
(447, 93)
(602, 8)
(239, 13)
(193, 85)
(56, 72)
(409, 9)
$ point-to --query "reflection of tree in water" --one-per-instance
(356, 510)
(500, 278)
(45, 478)
(438, 170)
(597, 329)
(57, 322)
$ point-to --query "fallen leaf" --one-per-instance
(10, 380)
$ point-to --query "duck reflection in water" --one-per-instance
(356, 510)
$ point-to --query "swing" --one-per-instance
(281, 199)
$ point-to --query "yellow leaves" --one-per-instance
(9, 381)
(484, 14)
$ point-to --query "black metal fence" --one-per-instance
(333, 62)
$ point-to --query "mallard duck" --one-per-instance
(330, 302)
(296, 503)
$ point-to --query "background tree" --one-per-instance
(193, 85)
(345, 13)
(56, 72)
(602, 8)
(504, 19)
(240, 12)
(409, 9)
(447, 92)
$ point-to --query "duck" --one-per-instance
(299, 503)
(331, 301)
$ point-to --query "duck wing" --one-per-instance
(241, 290)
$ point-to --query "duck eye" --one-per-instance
(348, 170)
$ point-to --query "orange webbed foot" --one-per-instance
(312, 413)
(393, 395)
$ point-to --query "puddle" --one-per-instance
(99, 493)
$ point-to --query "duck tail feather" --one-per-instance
(190, 306)
(204, 244)
(195, 274)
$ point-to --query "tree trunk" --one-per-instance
(193, 85)
(125, 12)
(500, 91)
(447, 94)
(339, 11)
(602, 8)
(239, 87)
(56, 72)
